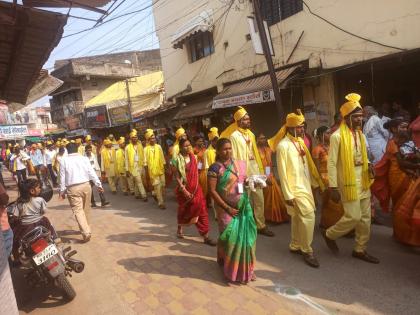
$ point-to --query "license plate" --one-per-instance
(46, 254)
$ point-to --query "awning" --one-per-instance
(200, 23)
(195, 109)
(252, 91)
(27, 38)
(44, 85)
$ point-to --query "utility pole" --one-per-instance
(267, 55)
(129, 102)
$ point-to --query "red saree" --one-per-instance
(194, 210)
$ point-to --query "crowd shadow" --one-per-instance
(192, 267)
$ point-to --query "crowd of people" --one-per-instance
(364, 158)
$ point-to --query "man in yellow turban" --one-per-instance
(179, 134)
(120, 166)
(80, 147)
(154, 162)
(349, 179)
(244, 148)
(298, 174)
(108, 164)
(88, 141)
(134, 166)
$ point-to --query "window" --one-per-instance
(274, 11)
(200, 45)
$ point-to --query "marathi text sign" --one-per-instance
(13, 132)
(244, 99)
(96, 117)
(119, 115)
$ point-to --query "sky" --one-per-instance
(131, 32)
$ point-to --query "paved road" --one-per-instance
(135, 265)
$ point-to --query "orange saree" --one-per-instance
(393, 183)
(331, 211)
(274, 204)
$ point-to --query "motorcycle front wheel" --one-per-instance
(63, 283)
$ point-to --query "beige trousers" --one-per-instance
(136, 186)
(122, 182)
(112, 182)
(357, 216)
(257, 203)
(302, 229)
(158, 188)
(79, 199)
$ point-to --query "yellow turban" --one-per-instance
(133, 133)
(49, 142)
(88, 138)
(148, 134)
(240, 113)
(292, 120)
(121, 140)
(58, 143)
(107, 142)
(179, 133)
(353, 103)
(72, 141)
(214, 133)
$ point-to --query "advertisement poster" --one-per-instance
(119, 115)
(13, 132)
(96, 117)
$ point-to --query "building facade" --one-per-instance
(321, 49)
(86, 77)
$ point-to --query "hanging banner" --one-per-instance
(119, 115)
(13, 132)
(74, 122)
(96, 117)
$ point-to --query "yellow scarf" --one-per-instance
(154, 160)
(311, 164)
(120, 165)
(210, 155)
(131, 154)
(107, 157)
(247, 132)
(347, 158)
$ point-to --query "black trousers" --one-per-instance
(21, 175)
(52, 174)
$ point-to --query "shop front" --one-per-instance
(257, 97)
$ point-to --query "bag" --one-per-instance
(30, 167)
(47, 191)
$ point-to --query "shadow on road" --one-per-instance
(192, 267)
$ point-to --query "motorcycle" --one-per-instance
(38, 253)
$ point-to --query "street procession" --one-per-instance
(209, 157)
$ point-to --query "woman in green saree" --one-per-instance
(235, 217)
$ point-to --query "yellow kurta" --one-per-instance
(108, 162)
(357, 213)
(155, 161)
(134, 164)
(243, 150)
(296, 183)
(175, 150)
(295, 179)
(120, 162)
(81, 150)
(335, 176)
(134, 158)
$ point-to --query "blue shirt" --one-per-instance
(37, 157)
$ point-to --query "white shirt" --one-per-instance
(377, 137)
(49, 156)
(20, 165)
(76, 169)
